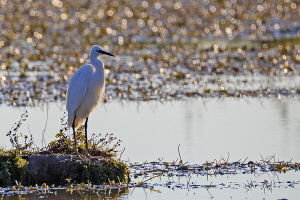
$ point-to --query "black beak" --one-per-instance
(104, 52)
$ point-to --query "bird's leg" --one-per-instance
(74, 133)
(86, 140)
(85, 128)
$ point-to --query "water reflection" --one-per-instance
(243, 128)
(192, 120)
(289, 123)
(206, 129)
(64, 193)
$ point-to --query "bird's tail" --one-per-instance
(70, 119)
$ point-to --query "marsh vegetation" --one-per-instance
(165, 50)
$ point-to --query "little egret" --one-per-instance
(85, 91)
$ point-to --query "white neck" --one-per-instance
(97, 63)
(98, 75)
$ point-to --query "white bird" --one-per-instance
(86, 89)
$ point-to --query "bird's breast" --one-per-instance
(96, 90)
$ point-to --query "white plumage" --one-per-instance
(86, 90)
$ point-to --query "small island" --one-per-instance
(58, 163)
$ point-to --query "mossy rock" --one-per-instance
(60, 169)
(12, 168)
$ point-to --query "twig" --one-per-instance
(121, 154)
(180, 162)
(244, 160)
(43, 132)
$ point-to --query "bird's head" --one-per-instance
(97, 51)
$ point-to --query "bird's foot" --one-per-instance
(76, 152)
(86, 153)
(82, 153)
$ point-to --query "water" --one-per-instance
(206, 129)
